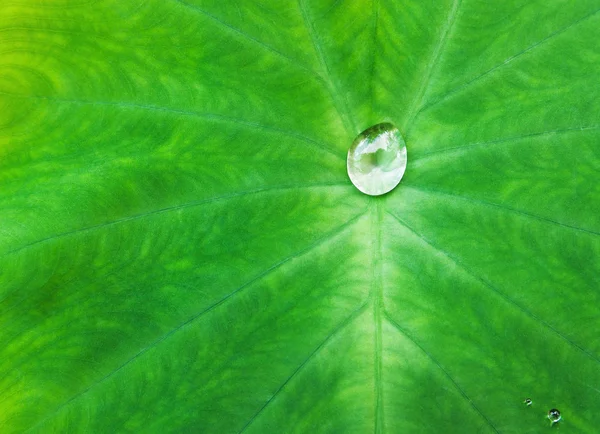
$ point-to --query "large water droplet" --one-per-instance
(377, 159)
(554, 415)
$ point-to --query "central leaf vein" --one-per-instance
(378, 308)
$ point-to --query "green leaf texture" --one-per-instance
(181, 249)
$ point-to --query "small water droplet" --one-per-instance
(528, 401)
(377, 159)
(554, 415)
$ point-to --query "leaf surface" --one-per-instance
(181, 249)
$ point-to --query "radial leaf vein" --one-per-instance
(437, 51)
(345, 323)
(507, 140)
(204, 116)
(332, 7)
(188, 205)
(343, 111)
(441, 368)
(504, 208)
(244, 35)
(500, 293)
(374, 50)
(378, 307)
(506, 62)
(327, 237)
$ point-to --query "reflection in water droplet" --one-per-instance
(377, 159)
(554, 415)
(528, 401)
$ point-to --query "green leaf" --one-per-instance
(182, 250)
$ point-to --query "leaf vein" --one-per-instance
(327, 237)
(507, 140)
(343, 112)
(438, 48)
(170, 209)
(247, 36)
(500, 293)
(205, 116)
(374, 60)
(441, 368)
(505, 208)
(378, 308)
(345, 323)
(506, 62)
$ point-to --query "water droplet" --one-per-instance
(528, 401)
(554, 415)
(377, 159)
